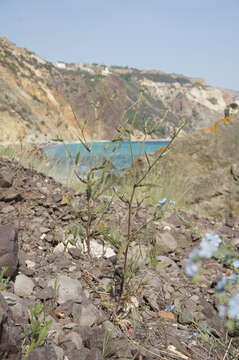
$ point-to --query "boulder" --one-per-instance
(6, 178)
(18, 307)
(67, 289)
(166, 242)
(23, 285)
(9, 334)
(9, 249)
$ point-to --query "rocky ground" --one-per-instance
(163, 315)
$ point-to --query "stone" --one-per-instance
(166, 263)
(49, 238)
(9, 249)
(188, 313)
(96, 339)
(17, 306)
(43, 189)
(55, 332)
(98, 250)
(94, 354)
(75, 253)
(78, 354)
(139, 254)
(43, 353)
(59, 248)
(67, 289)
(10, 195)
(57, 197)
(151, 298)
(166, 242)
(74, 338)
(46, 293)
(43, 229)
(6, 178)
(30, 264)
(7, 209)
(59, 353)
(23, 285)
(86, 314)
(10, 336)
(110, 328)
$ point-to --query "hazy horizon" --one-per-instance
(193, 39)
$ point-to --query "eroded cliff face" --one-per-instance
(30, 109)
(37, 98)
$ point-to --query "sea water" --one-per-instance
(120, 154)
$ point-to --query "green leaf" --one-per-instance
(149, 185)
(77, 158)
(100, 208)
(43, 332)
(119, 138)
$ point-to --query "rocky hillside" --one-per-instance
(204, 169)
(36, 95)
(164, 315)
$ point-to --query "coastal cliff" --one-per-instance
(37, 98)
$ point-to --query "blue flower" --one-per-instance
(169, 307)
(209, 245)
(172, 202)
(194, 255)
(163, 201)
(233, 307)
(225, 258)
(234, 278)
(191, 268)
(222, 283)
(235, 263)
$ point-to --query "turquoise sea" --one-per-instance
(119, 154)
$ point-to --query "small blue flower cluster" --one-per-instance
(208, 247)
(231, 309)
(226, 282)
(165, 201)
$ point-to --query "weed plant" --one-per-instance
(91, 224)
(36, 331)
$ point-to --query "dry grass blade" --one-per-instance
(227, 350)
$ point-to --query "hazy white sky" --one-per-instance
(192, 37)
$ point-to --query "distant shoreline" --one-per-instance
(97, 141)
(52, 142)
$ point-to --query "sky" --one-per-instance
(198, 38)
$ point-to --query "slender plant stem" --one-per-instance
(88, 226)
(130, 204)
